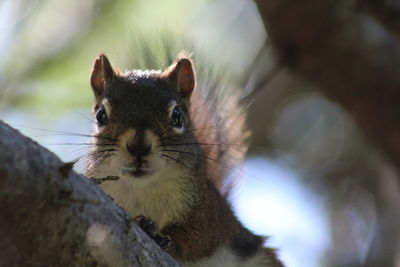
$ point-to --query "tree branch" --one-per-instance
(51, 216)
(348, 54)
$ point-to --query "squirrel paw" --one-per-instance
(149, 226)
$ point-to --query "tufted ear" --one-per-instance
(102, 74)
(181, 75)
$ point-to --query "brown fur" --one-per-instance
(139, 102)
(210, 225)
(210, 213)
(224, 146)
(220, 124)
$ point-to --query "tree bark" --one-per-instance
(51, 216)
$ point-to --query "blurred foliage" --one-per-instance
(47, 48)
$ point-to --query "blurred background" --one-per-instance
(310, 181)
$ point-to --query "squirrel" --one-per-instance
(170, 160)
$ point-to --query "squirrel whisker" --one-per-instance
(66, 133)
(188, 153)
(81, 144)
(195, 143)
(96, 152)
(154, 115)
(176, 160)
(185, 133)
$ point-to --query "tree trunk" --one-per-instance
(51, 216)
(348, 54)
(351, 50)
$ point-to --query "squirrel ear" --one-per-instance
(102, 73)
(181, 74)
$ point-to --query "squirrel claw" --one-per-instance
(163, 241)
(149, 226)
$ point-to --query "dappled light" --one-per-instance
(312, 180)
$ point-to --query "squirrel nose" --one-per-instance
(138, 150)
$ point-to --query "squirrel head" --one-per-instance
(142, 119)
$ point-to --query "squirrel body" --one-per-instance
(167, 155)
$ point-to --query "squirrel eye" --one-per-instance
(176, 118)
(101, 116)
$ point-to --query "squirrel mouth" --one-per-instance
(138, 168)
(137, 172)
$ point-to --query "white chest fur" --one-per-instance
(162, 199)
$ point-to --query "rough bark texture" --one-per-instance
(51, 216)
